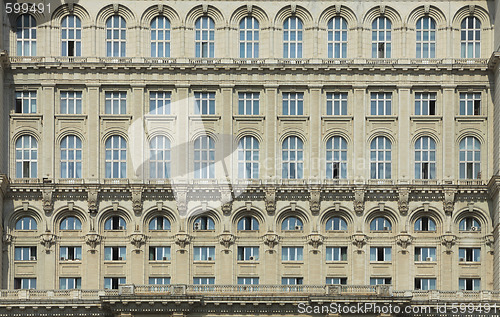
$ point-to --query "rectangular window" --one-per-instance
(204, 103)
(70, 283)
(380, 281)
(115, 253)
(380, 254)
(425, 254)
(159, 102)
(113, 282)
(25, 102)
(293, 103)
(71, 102)
(248, 103)
(204, 280)
(159, 280)
(248, 280)
(336, 104)
(292, 254)
(25, 283)
(248, 253)
(70, 253)
(336, 253)
(336, 280)
(116, 103)
(204, 253)
(292, 280)
(425, 104)
(469, 254)
(425, 284)
(381, 104)
(25, 254)
(470, 104)
(469, 284)
(159, 253)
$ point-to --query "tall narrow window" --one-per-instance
(248, 103)
(293, 103)
(336, 104)
(470, 158)
(204, 103)
(116, 36)
(425, 104)
(204, 157)
(470, 104)
(26, 157)
(249, 38)
(426, 38)
(71, 36)
(381, 103)
(159, 161)
(116, 157)
(205, 37)
(381, 38)
(337, 38)
(248, 157)
(425, 158)
(25, 102)
(470, 38)
(71, 157)
(292, 38)
(159, 102)
(26, 35)
(336, 158)
(160, 37)
(380, 158)
(116, 103)
(71, 102)
(292, 158)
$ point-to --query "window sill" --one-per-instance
(293, 117)
(462, 118)
(426, 262)
(32, 116)
(76, 116)
(382, 118)
(160, 261)
(115, 116)
(337, 118)
(115, 261)
(242, 117)
(248, 261)
(434, 117)
(204, 262)
(337, 262)
(160, 117)
(335, 231)
(380, 231)
(70, 261)
(472, 263)
(204, 117)
(25, 261)
(292, 262)
(381, 262)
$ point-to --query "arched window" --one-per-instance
(425, 224)
(115, 223)
(71, 157)
(116, 36)
(248, 223)
(381, 38)
(204, 223)
(26, 157)
(26, 35)
(26, 223)
(336, 224)
(469, 224)
(249, 38)
(71, 223)
(337, 38)
(292, 158)
(380, 224)
(205, 37)
(71, 36)
(292, 38)
(292, 223)
(470, 158)
(470, 38)
(248, 157)
(336, 158)
(116, 157)
(159, 223)
(204, 157)
(425, 158)
(380, 158)
(160, 37)
(426, 38)
(159, 162)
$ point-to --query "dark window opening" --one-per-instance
(19, 106)
(432, 107)
(71, 48)
(381, 50)
(477, 107)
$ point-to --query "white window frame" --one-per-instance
(204, 37)
(204, 103)
(71, 32)
(336, 254)
(381, 37)
(425, 158)
(160, 157)
(336, 103)
(203, 253)
(470, 37)
(475, 283)
(26, 223)
(470, 104)
(248, 253)
(116, 25)
(116, 155)
(71, 157)
(375, 254)
(70, 283)
(165, 224)
(110, 252)
(160, 102)
(26, 166)
(381, 103)
(115, 102)
(248, 103)
(425, 284)
(248, 280)
(71, 102)
(26, 29)
(292, 37)
(292, 155)
(160, 253)
(470, 158)
(337, 37)
(292, 223)
(249, 37)
(336, 224)
(160, 36)
(26, 102)
(336, 158)
(248, 157)
(425, 104)
(424, 254)
(109, 282)
(65, 252)
(204, 157)
(426, 37)
(293, 103)
(292, 254)
(70, 223)
(381, 167)
(159, 281)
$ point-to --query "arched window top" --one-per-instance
(380, 224)
(204, 157)
(115, 223)
(116, 157)
(469, 224)
(336, 224)
(336, 158)
(159, 161)
(470, 158)
(71, 223)
(204, 37)
(470, 37)
(26, 157)
(292, 37)
(116, 36)
(248, 223)
(292, 223)
(425, 224)
(426, 37)
(381, 38)
(470, 143)
(249, 37)
(159, 223)
(381, 23)
(292, 158)
(337, 37)
(71, 36)
(248, 157)
(26, 223)
(26, 35)
(204, 223)
(160, 37)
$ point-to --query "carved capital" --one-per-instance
(7, 239)
(359, 200)
(47, 199)
(92, 193)
(271, 239)
(404, 240)
(489, 240)
(227, 239)
(315, 200)
(181, 200)
(315, 239)
(92, 239)
(182, 239)
(404, 194)
(137, 239)
(359, 240)
(47, 239)
(226, 199)
(448, 240)
(137, 200)
(449, 202)
(270, 200)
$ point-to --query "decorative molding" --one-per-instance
(315, 239)
(227, 239)
(271, 200)
(271, 239)
(404, 240)
(427, 8)
(489, 240)
(136, 193)
(47, 239)
(47, 199)
(227, 201)
(181, 193)
(7, 240)
(293, 8)
(359, 200)
(404, 194)
(182, 239)
(359, 240)
(92, 195)
(448, 240)
(249, 9)
(449, 201)
(315, 200)
(382, 9)
(138, 239)
(472, 8)
(93, 239)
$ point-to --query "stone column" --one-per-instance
(404, 147)
(46, 105)
(360, 164)
(315, 153)
(448, 112)
(92, 106)
(269, 164)
(181, 149)
(136, 108)
(225, 110)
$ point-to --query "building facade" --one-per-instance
(173, 154)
